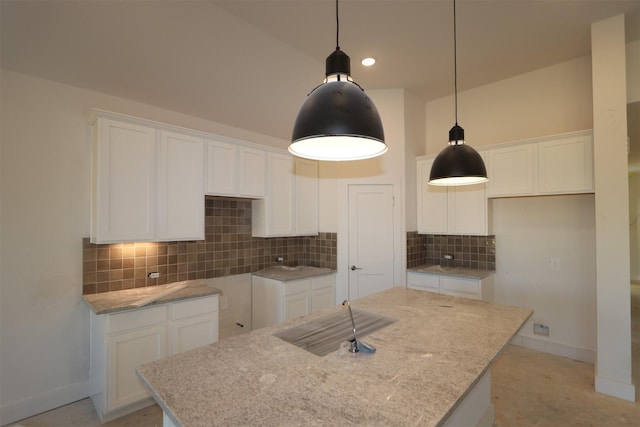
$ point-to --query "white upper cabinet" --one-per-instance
(306, 194)
(511, 170)
(275, 215)
(235, 170)
(290, 207)
(559, 164)
(222, 159)
(147, 182)
(450, 210)
(252, 172)
(433, 202)
(565, 165)
(180, 187)
(123, 182)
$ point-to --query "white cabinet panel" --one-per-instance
(450, 210)
(180, 187)
(432, 201)
(274, 301)
(147, 182)
(479, 289)
(511, 170)
(558, 164)
(235, 170)
(306, 197)
(127, 350)
(566, 165)
(252, 172)
(222, 159)
(123, 182)
(297, 305)
(124, 340)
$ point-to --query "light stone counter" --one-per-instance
(426, 363)
(467, 273)
(284, 273)
(110, 302)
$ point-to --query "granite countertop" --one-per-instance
(465, 272)
(426, 362)
(284, 273)
(110, 302)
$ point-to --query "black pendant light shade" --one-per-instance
(338, 121)
(458, 163)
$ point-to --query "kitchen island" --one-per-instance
(431, 368)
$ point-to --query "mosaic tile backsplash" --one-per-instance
(228, 249)
(468, 251)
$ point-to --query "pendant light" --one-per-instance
(338, 121)
(458, 163)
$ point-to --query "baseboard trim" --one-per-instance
(615, 388)
(42, 402)
(555, 348)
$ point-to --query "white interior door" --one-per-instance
(371, 243)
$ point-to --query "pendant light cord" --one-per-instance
(455, 62)
(337, 27)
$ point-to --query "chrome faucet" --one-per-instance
(357, 346)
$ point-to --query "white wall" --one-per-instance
(613, 367)
(44, 346)
(529, 233)
(548, 101)
(634, 225)
(633, 71)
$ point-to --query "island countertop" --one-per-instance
(426, 363)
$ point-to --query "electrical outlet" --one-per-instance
(223, 303)
(540, 329)
(554, 264)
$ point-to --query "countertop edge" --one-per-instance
(466, 273)
(103, 303)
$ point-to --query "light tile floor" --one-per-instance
(529, 389)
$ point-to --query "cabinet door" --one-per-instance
(468, 210)
(297, 305)
(221, 168)
(511, 170)
(196, 331)
(423, 282)
(252, 168)
(432, 202)
(565, 165)
(126, 351)
(275, 215)
(323, 298)
(123, 181)
(458, 287)
(180, 187)
(306, 197)
(194, 323)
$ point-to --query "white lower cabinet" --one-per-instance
(124, 340)
(274, 301)
(479, 289)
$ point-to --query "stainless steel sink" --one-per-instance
(324, 335)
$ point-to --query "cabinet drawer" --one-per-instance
(460, 287)
(194, 307)
(426, 282)
(297, 286)
(320, 282)
(136, 319)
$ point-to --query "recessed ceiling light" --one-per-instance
(368, 62)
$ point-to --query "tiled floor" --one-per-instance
(528, 389)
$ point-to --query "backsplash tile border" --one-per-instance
(228, 249)
(468, 251)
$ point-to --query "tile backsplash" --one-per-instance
(228, 249)
(468, 251)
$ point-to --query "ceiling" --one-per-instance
(249, 64)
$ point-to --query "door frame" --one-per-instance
(400, 250)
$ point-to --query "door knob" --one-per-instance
(354, 268)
